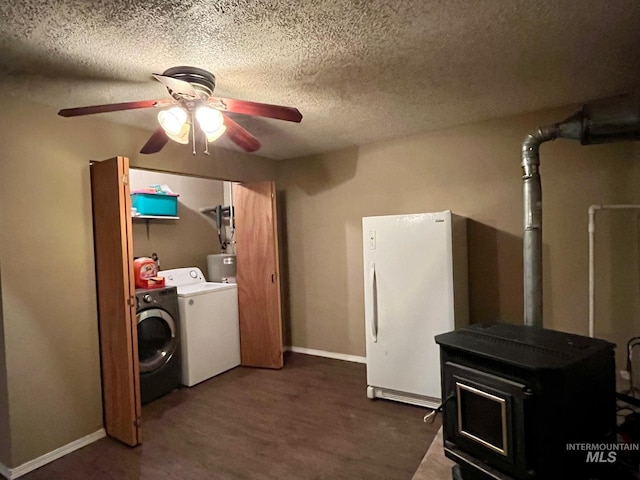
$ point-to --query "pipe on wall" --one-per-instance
(532, 239)
(592, 246)
(609, 120)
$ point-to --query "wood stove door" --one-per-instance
(486, 416)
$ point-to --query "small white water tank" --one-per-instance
(221, 268)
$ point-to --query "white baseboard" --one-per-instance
(31, 465)
(322, 353)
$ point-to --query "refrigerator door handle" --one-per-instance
(374, 302)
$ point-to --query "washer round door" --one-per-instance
(157, 340)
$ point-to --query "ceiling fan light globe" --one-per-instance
(216, 135)
(172, 120)
(182, 136)
(210, 121)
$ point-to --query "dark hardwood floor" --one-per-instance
(310, 420)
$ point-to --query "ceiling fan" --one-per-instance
(192, 104)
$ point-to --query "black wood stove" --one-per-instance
(523, 402)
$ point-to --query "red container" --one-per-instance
(144, 270)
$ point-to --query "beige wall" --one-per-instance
(474, 171)
(220, 164)
(48, 281)
(633, 262)
(636, 171)
(185, 242)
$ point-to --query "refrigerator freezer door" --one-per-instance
(408, 300)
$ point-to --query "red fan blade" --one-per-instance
(178, 86)
(112, 107)
(244, 107)
(155, 142)
(240, 136)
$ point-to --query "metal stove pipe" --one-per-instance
(610, 120)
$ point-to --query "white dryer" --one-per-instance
(209, 327)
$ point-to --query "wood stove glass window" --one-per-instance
(482, 417)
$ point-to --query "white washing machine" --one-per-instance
(209, 328)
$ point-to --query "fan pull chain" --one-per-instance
(193, 133)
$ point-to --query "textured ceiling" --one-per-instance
(359, 71)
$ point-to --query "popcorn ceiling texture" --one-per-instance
(359, 71)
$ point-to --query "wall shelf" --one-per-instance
(158, 217)
(146, 218)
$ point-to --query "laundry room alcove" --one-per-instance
(180, 242)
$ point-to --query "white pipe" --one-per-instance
(592, 246)
(592, 286)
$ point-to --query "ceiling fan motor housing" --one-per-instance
(202, 81)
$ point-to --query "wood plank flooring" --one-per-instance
(310, 420)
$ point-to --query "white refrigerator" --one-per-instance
(415, 287)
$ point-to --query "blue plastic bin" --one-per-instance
(155, 204)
